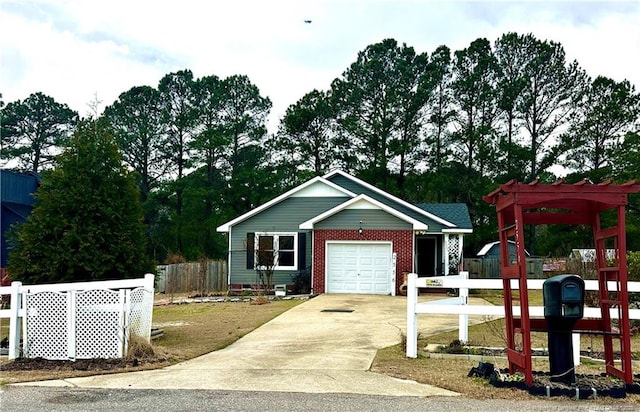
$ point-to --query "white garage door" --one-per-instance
(359, 268)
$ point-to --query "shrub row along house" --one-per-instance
(351, 236)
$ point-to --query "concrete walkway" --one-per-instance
(325, 345)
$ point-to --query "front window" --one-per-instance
(276, 250)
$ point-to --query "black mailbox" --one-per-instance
(563, 297)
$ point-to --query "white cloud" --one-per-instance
(71, 49)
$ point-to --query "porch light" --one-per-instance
(360, 231)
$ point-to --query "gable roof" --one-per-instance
(444, 218)
(356, 185)
(417, 225)
(306, 186)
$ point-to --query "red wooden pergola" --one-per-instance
(519, 204)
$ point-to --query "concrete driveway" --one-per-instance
(325, 345)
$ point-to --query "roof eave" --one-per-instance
(457, 230)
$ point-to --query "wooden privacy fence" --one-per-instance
(489, 268)
(202, 277)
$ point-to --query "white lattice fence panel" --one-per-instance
(47, 326)
(454, 253)
(141, 309)
(99, 324)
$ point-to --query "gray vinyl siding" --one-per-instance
(285, 216)
(434, 227)
(241, 275)
(370, 218)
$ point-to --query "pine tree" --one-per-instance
(87, 221)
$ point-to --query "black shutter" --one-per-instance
(302, 251)
(250, 250)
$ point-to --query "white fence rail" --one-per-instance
(78, 320)
(460, 305)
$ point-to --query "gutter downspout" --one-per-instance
(229, 259)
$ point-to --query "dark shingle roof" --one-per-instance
(456, 213)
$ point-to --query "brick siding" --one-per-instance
(402, 244)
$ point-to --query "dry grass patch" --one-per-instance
(451, 372)
(195, 329)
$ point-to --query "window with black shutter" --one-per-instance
(278, 250)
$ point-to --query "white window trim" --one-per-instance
(276, 247)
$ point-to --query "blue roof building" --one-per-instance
(16, 200)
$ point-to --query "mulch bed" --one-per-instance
(585, 386)
(31, 364)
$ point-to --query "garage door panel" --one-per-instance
(366, 275)
(359, 268)
(380, 260)
(350, 261)
(365, 261)
(348, 286)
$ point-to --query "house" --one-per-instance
(589, 255)
(583, 261)
(16, 202)
(350, 235)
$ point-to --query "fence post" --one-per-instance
(412, 320)
(463, 318)
(71, 324)
(149, 279)
(576, 348)
(124, 300)
(14, 324)
(25, 325)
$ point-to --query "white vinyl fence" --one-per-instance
(460, 305)
(78, 320)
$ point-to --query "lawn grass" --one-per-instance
(192, 330)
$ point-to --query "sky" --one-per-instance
(80, 51)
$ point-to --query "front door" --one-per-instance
(426, 256)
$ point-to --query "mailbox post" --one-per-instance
(563, 297)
